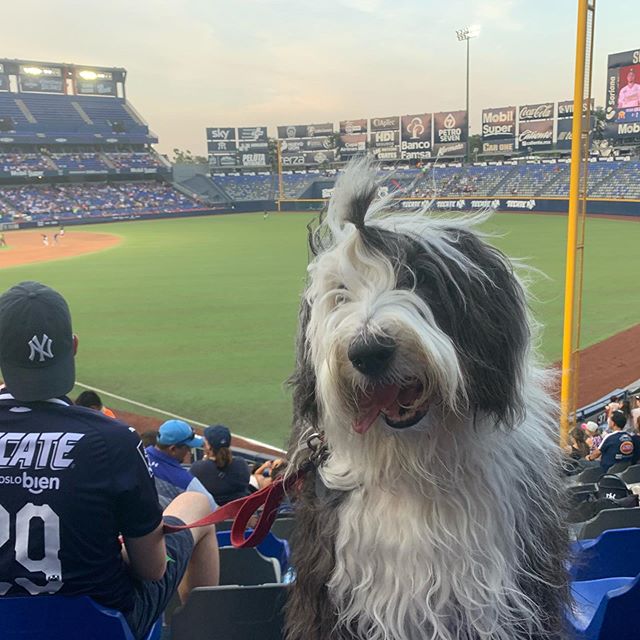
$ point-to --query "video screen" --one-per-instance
(628, 100)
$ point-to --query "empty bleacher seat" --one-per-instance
(631, 475)
(231, 613)
(61, 618)
(610, 519)
(615, 553)
(605, 609)
(270, 547)
(247, 567)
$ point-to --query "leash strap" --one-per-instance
(242, 509)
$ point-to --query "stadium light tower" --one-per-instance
(465, 34)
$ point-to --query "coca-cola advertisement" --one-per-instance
(450, 127)
(353, 127)
(537, 134)
(540, 111)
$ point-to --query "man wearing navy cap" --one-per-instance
(175, 439)
(75, 485)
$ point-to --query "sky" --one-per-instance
(198, 63)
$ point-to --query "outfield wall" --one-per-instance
(595, 206)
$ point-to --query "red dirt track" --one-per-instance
(605, 366)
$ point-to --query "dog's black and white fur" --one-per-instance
(436, 515)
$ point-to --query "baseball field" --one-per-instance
(198, 316)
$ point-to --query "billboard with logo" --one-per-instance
(304, 158)
(353, 127)
(221, 133)
(504, 147)
(416, 136)
(564, 137)
(306, 144)
(449, 149)
(256, 159)
(221, 146)
(305, 130)
(384, 138)
(565, 108)
(623, 94)
(498, 124)
(450, 127)
(223, 161)
(351, 144)
(385, 124)
(535, 134)
(252, 134)
(386, 154)
(539, 111)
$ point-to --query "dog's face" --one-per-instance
(407, 320)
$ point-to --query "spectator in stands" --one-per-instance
(635, 413)
(625, 407)
(226, 477)
(578, 447)
(173, 446)
(149, 438)
(618, 446)
(613, 405)
(594, 438)
(91, 400)
(98, 485)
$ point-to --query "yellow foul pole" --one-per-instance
(577, 212)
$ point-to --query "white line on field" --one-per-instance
(166, 413)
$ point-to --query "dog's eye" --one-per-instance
(341, 296)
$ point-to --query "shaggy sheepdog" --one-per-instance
(435, 515)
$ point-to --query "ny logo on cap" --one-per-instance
(41, 347)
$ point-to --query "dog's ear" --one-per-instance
(303, 379)
(486, 317)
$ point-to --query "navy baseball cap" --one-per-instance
(178, 432)
(36, 342)
(218, 436)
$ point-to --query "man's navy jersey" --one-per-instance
(71, 481)
(226, 484)
(617, 447)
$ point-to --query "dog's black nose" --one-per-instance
(371, 356)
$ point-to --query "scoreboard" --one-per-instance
(41, 79)
(89, 82)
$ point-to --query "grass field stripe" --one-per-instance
(163, 412)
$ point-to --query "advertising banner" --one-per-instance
(253, 146)
(351, 144)
(221, 133)
(385, 124)
(498, 123)
(221, 146)
(386, 154)
(252, 134)
(565, 108)
(307, 158)
(305, 130)
(536, 134)
(450, 127)
(223, 161)
(384, 138)
(565, 126)
(353, 127)
(253, 159)
(540, 111)
(450, 149)
(307, 144)
(416, 136)
(499, 147)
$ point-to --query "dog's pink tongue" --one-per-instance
(372, 404)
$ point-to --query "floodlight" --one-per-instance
(85, 74)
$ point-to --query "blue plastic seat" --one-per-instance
(606, 609)
(61, 618)
(615, 553)
(271, 547)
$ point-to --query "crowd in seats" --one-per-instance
(79, 200)
(134, 160)
(23, 162)
(296, 184)
(79, 161)
(248, 187)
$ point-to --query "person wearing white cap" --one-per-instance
(594, 439)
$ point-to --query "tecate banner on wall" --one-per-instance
(499, 123)
(305, 130)
(538, 133)
(450, 126)
(221, 133)
(252, 134)
(353, 127)
(385, 124)
(540, 111)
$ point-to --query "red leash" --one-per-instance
(242, 509)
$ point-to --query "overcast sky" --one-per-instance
(199, 63)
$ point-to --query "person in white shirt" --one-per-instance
(630, 94)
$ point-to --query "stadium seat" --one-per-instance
(631, 475)
(231, 613)
(610, 519)
(592, 474)
(615, 553)
(270, 547)
(61, 618)
(282, 528)
(619, 467)
(605, 609)
(247, 567)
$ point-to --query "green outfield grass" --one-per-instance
(198, 316)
